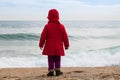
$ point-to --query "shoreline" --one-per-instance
(69, 73)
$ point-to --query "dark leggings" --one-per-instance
(54, 62)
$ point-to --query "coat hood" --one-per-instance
(53, 15)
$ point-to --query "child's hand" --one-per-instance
(66, 48)
(41, 48)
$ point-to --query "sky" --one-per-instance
(68, 9)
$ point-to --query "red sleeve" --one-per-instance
(65, 38)
(43, 37)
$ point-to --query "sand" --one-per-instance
(70, 73)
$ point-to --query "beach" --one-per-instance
(70, 73)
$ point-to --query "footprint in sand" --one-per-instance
(40, 76)
(69, 72)
(75, 72)
(14, 77)
(78, 71)
(116, 76)
(105, 76)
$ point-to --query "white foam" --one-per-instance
(7, 62)
(73, 58)
(91, 59)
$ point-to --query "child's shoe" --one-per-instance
(50, 73)
(58, 73)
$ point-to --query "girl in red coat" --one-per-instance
(53, 37)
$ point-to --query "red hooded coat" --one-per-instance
(54, 36)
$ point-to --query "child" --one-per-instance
(52, 39)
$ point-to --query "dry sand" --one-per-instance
(70, 73)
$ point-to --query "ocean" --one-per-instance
(92, 44)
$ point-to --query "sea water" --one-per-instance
(92, 43)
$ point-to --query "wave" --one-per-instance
(22, 58)
(110, 50)
(19, 36)
(92, 58)
(25, 36)
(74, 38)
(30, 36)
